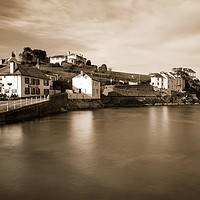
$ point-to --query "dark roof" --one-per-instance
(84, 74)
(25, 71)
(189, 70)
(58, 56)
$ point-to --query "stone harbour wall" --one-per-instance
(57, 103)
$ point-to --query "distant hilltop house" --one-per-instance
(23, 81)
(71, 58)
(76, 59)
(58, 59)
(167, 81)
(84, 87)
(189, 71)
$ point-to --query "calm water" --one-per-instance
(108, 154)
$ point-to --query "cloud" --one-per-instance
(10, 9)
(128, 35)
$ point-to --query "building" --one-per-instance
(157, 80)
(58, 59)
(76, 59)
(52, 78)
(23, 81)
(141, 90)
(84, 84)
(189, 71)
(167, 81)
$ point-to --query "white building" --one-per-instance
(84, 84)
(157, 80)
(167, 81)
(76, 59)
(23, 81)
(58, 59)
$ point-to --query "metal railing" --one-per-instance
(15, 104)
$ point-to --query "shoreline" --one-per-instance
(60, 103)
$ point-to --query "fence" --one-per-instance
(15, 104)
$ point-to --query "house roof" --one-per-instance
(168, 75)
(77, 55)
(189, 70)
(58, 56)
(156, 75)
(25, 71)
(83, 75)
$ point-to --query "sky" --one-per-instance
(138, 36)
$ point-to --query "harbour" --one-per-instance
(153, 153)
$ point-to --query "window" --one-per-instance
(37, 90)
(27, 80)
(32, 90)
(53, 78)
(46, 82)
(37, 81)
(27, 90)
(46, 92)
(32, 81)
(6, 91)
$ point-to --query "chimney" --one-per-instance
(81, 73)
(38, 63)
(12, 64)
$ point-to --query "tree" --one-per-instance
(88, 62)
(26, 56)
(39, 54)
(31, 56)
(103, 68)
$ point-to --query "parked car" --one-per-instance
(3, 97)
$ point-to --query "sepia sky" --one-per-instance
(138, 36)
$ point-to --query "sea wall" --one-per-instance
(128, 101)
(57, 103)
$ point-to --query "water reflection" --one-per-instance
(158, 119)
(82, 138)
(12, 134)
(165, 119)
(82, 130)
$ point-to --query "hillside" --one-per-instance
(103, 77)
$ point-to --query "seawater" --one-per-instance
(117, 153)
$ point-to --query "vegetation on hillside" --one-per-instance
(32, 56)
